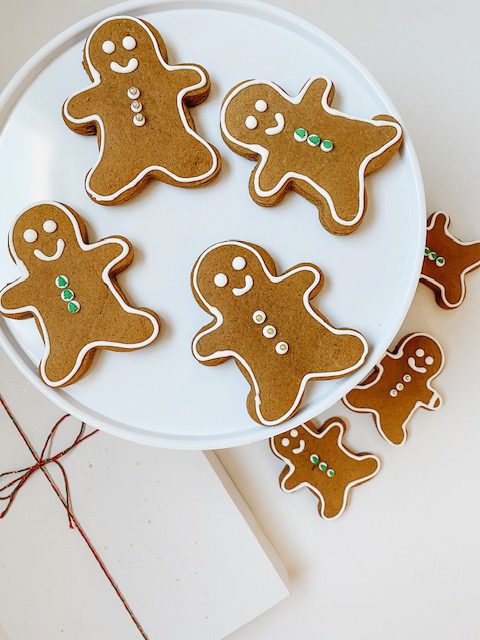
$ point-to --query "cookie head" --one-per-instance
(43, 233)
(291, 443)
(255, 113)
(117, 47)
(227, 272)
(423, 356)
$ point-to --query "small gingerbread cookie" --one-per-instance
(138, 106)
(69, 287)
(399, 386)
(447, 261)
(302, 143)
(268, 325)
(318, 459)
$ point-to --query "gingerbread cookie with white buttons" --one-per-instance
(266, 322)
(68, 286)
(319, 460)
(138, 107)
(399, 385)
(301, 143)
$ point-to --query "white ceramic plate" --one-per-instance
(160, 395)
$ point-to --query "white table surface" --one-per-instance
(404, 560)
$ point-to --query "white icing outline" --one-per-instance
(55, 256)
(106, 279)
(241, 291)
(264, 153)
(215, 312)
(279, 127)
(130, 67)
(437, 284)
(96, 118)
(436, 397)
(353, 456)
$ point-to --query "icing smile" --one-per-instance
(245, 289)
(58, 252)
(300, 447)
(278, 128)
(131, 65)
(412, 363)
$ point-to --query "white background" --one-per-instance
(404, 560)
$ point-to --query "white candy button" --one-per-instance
(259, 316)
(133, 93)
(139, 120)
(407, 377)
(136, 106)
(269, 331)
(281, 348)
(399, 386)
(394, 393)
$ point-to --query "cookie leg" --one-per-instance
(64, 363)
(335, 215)
(127, 329)
(108, 184)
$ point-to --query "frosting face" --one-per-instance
(47, 241)
(110, 47)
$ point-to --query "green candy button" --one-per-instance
(73, 306)
(61, 282)
(323, 466)
(314, 459)
(300, 134)
(330, 473)
(327, 145)
(67, 294)
(313, 140)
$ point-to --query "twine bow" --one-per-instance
(10, 488)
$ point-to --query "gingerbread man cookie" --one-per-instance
(447, 261)
(318, 460)
(399, 386)
(268, 325)
(69, 287)
(138, 108)
(302, 143)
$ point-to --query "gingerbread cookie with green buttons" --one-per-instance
(68, 286)
(303, 144)
(138, 106)
(319, 460)
(447, 261)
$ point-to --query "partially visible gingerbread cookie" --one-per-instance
(68, 285)
(267, 324)
(303, 144)
(400, 385)
(447, 261)
(319, 460)
(138, 107)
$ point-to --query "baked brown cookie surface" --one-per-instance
(303, 144)
(319, 460)
(138, 107)
(400, 385)
(267, 324)
(68, 285)
(447, 261)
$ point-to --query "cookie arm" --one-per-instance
(80, 110)
(190, 76)
(209, 342)
(113, 249)
(14, 297)
(317, 89)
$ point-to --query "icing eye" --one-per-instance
(129, 43)
(30, 235)
(49, 226)
(239, 263)
(108, 46)
(419, 353)
(429, 360)
(251, 122)
(440, 261)
(220, 280)
(285, 442)
(294, 433)
(261, 106)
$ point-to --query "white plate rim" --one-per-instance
(42, 58)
